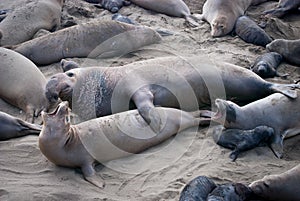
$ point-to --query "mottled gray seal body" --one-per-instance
(284, 186)
(11, 127)
(250, 32)
(28, 19)
(266, 65)
(242, 140)
(97, 38)
(276, 111)
(289, 49)
(106, 138)
(22, 84)
(284, 7)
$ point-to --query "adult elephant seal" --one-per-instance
(289, 49)
(284, 186)
(170, 81)
(97, 38)
(266, 65)
(242, 140)
(11, 127)
(29, 19)
(175, 8)
(284, 7)
(22, 84)
(222, 14)
(273, 111)
(106, 138)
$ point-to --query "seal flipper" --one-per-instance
(29, 128)
(191, 20)
(89, 174)
(286, 89)
(277, 148)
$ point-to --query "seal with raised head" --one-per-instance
(97, 38)
(273, 111)
(289, 49)
(170, 81)
(283, 187)
(242, 140)
(22, 84)
(12, 127)
(284, 7)
(222, 14)
(29, 19)
(106, 138)
(266, 65)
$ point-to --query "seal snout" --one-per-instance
(221, 108)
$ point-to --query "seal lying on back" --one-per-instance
(106, 138)
(242, 140)
(289, 49)
(276, 111)
(188, 83)
(97, 38)
(283, 7)
(25, 21)
(11, 127)
(283, 187)
(266, 65)
(22, 84)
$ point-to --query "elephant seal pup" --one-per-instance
(106, 138)
(182, 83)
(284, 7)
(283, 187)
(22, 84)
(242, 140)
(97, 38)
(175, 8)
(43, 14)
(230, 192)
(222, 14)
(266, 65)
(250, 32)
(11, 127)
(110, 5)
(289, 49)
(273, 111)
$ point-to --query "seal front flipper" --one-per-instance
(89, 174)
(191, 20)
(277, 146)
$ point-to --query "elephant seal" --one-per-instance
(283, 7)
(242, 140)
(175, 8)
(106, 138)
(11, 127)
(97, 38)
(68, 65)
(22, 84)
(230, 192)
(266, 65)
(283, 187)
(182, 83)
(222, 15)
(110, 5)
(273, 111)
(121, 18)
(289, 49)
(42, 14)
(250, 32)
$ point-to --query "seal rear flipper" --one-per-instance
(89, 174)
(191, 20)
(286, 89)
(30, 128)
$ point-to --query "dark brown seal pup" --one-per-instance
(29, 19)
(273, 111)
(111, 5)
(97, 38)
(283, 187)
(289, 49)
(242, 140)
(250, 32)
(106, 138)
(230, 192)
(284, 7)
(266, 65)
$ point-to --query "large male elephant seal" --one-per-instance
(11, 127)
(22, 84)
(283, 187)
(97, 38)
(23, 23)
(289, 49)
(222, 14)
(106, 138)
(188, 83)
(273, 111)
(283, 7)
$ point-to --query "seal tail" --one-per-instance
(286, 89)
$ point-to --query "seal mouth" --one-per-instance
(221, 110)
(62, 106)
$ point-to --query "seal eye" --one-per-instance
(70, 74)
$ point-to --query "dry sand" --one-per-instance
(158, 173)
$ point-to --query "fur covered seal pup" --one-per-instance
(283, 7)
(29, 19)
(106, 138)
